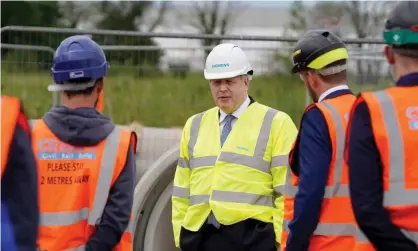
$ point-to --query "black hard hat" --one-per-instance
(317, 49)
(401, 27)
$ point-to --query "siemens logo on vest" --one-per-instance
(52, 149)
(220, 65)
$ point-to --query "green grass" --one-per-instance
(162, 101)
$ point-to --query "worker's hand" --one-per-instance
(278, 246)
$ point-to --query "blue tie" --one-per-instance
(227, 128)
(225, 132)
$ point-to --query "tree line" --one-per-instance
(120, 15)
(206, 18)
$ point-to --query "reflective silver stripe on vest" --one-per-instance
(280, 190)
(329, 229)
(102, 190)
(412, 235)
(79, 248)
(202, 161)
(194, 132)
(183, 163)
(130, 227)
(256, 162)
(181, 192)
(281, 160)
(105, 176)
(337, 189)
(199, 199)
(398, 194)
(64, 218)
(289, 189)
(31, 123)
(360, 237)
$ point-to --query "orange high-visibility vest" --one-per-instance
(11, 115)
(394, 116)
(74, 184)
(10, 109)
(100, 102)
(336, 226)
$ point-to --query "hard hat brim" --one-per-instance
(71, 86)
(297, 68)
(224, 75)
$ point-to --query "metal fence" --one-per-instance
(157, 79)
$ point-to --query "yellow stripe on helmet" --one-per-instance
(328, 58)
(297, 52)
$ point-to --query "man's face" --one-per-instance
(229, 93)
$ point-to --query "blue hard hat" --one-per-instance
(77, 57)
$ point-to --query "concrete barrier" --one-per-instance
(152, 205)
(153, 143)
(158, 152)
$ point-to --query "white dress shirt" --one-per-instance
(237, 113)
(331, 90)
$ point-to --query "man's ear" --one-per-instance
(246, 80)
(100, 85)
(313, 79)
(389, 54)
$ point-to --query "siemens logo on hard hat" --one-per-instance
(220, 65)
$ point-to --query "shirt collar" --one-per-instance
(331, 90)
(237, 113)
(408, 80)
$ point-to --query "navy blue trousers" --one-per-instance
(248, 235)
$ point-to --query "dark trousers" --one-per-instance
(248, 235)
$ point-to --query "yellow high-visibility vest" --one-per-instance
(245, 179)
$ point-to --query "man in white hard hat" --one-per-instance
(228, 186)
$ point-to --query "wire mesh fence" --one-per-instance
(157, 79)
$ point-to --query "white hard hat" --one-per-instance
(227, 61)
